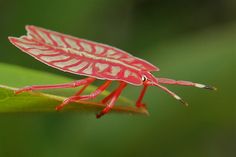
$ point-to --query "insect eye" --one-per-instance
(144, 78)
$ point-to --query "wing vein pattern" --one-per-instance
(80, 56)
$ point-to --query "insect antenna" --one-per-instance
(172, 94)
(184, 83)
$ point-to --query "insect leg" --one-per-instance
(107, 98)
(184, 83)
(83, 88)
(140, 98)
(65, 85)
(113, 100)
(84, 97)
(172, 94)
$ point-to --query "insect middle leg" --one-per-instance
(65, 85)
(107, 98)
(115, 96)
(77, 97)
(138, 102)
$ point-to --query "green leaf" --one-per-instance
(46, 102)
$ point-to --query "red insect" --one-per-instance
(95, 60)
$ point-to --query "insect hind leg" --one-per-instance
(77, 97)
(56, 86)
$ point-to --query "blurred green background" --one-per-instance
(188, 39)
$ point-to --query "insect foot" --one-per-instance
(141, 105)
(21, 90)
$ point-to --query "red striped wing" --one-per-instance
(81, 56)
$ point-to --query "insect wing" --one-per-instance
(66, 53)
(91, 47)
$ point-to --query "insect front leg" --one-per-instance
(77, 97)
(65, 85)
(140, 98)
(115, 96)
